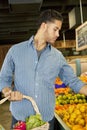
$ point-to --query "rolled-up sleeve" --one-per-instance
(69, 77)
(6, 73)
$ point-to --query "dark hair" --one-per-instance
(49, 15)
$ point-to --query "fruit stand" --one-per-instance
(70, 108)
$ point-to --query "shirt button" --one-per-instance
(35, 62)
(36, 84)
(36, 96)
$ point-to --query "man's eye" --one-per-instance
(55, 29)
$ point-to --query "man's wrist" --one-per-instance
(6, 91)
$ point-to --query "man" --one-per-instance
(35, 64)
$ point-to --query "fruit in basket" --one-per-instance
(34, 121)
(20, 125)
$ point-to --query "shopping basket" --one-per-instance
(42, 127)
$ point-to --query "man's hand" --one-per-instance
(83, 90)
(13, 95)
(16, 96)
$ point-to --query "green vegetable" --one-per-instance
(34, 121)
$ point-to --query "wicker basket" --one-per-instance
(46, 125)
(43, 127)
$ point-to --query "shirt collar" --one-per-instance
(31, 41)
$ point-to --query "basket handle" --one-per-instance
(33, 103)
(4, 99)
(26, 97)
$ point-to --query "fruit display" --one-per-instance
(70, 98)
(72, 107)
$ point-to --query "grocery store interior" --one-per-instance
(18, 20)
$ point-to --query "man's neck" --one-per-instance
(39, 43)
(39, 46)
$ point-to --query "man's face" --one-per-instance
(52, 31)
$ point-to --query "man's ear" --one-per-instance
(44, 26)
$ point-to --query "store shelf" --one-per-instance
(62, 123)
(73, 58)
(66, 44)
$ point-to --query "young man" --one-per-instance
(35, 64)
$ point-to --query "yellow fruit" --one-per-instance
(83, 96)
(69, 125)
(80, 100)
(77, 112)
(71, 121)
(82, 108)
(73, 115)
(66, 115)
(77, 127)
(81, 122)
(76, 100)
(78, 106)
(57, 103)
(77, 120)
(65, 119)
(84, 100)
(71, 109)
(68, 101)
(71, 101)
(64, 97)
(78, 95)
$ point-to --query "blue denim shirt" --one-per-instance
(35, 77)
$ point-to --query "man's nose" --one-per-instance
(57, 34)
